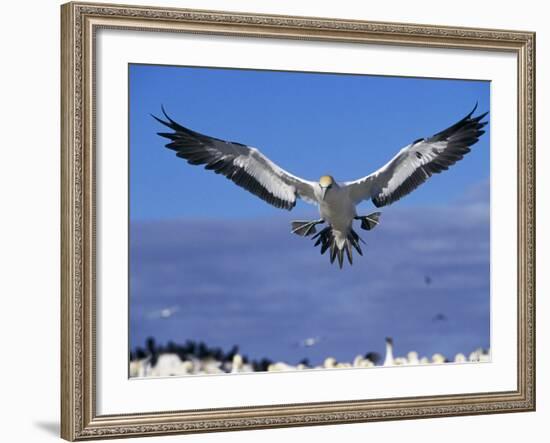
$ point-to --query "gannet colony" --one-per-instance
(198, 359)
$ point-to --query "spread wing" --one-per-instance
(244, 165)
(415, 163)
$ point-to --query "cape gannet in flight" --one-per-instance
(247, 167)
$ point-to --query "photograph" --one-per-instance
(274, 221)
(288, 219)
(300, 221)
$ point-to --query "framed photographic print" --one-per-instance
(281, 221)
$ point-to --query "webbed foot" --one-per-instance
(370, 221)
(305, 228)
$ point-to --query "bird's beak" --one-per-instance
(324, 193)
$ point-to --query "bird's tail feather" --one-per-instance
(327, 239)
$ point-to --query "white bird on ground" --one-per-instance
(330, 363)
(412, 358)
(170, 364)
(479, 355)
(141, 367)
(249, 168)
(460, 358)
(362, 362)
(389, 360)
(280, 367)
(237, 364)
(438, 358)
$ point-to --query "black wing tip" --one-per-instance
(473, 110)
(479, 117)
(170, 123)
(166, 115)
(469, 116)
(160, 120)
(468, 122)
(164, 112)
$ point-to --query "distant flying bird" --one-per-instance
(309, 342)
(165, 312)
(249, 168)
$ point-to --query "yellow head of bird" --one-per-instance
(326, 181)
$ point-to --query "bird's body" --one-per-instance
(247, 167)
(338, 211)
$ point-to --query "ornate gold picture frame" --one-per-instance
(80, 24)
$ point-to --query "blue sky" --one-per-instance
(310, 124)
(226, 258)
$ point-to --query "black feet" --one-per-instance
(305, 228)
(370, 221)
